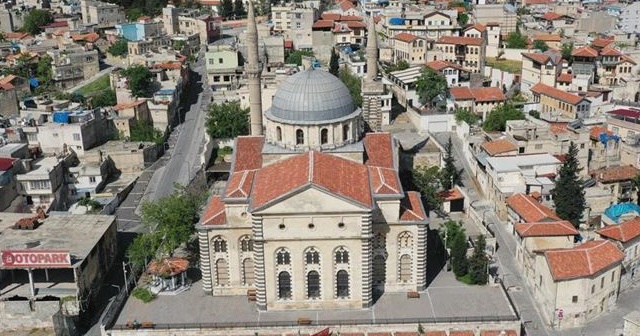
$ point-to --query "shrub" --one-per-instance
(143, 294)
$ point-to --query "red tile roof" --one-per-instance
(551, 16)
(498, 333)
(323, 24)
(214, 214)
(546, 229)
(439, 65)
(461, 93)
(6, 163)
(629, 113)
(346, 5)
(15, 36)
(558, 127)
(584, 260)
(331, 16)
(411, 208)
(248, 153)
(356, 24)
(239, 184)
(379, 149)
(168, 65)
(594, 132)
(601, 43)
(334, 174)
(546, 90)
(585, 51)
(451, 194)
(405, 37)
(610, 52)
(351, 18)
(461, 40)
(537, 57)
(479, 27)
(124, 106)
(529, 209)
(547, 38)
(614, 174)
(399, 333)
(627, 58)
(461, 333)
(622, 232)
(57, 24)
(288, 44)
(384, 181)
(565, 78)
(435, 333)
(341, 28)
(499, 147)
(482, 94)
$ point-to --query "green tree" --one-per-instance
(104, 99)
(450, 176)
(119, 47)
(295, 57)
(467, 116)
(430, 85)
(37, 18)
(133, 14)
(238, 9)
(263, 7)
(479, 263)
(515, 40)
(427, 180)
(354, 85)
(567, 49)
(44, 71)
(497, 119)
(459, 261)
(334, 65)
(463, 19)
(142, 249)
(227, 120)
(142, 131)
(540, 45)
(402, 65)
(636, 185)
(450, 230)
(568, 194)
(225, 8)
(139, 79)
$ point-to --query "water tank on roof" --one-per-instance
(61, 117)
(396, 21)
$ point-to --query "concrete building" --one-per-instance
(8, 189)
(431, 25)
(12, 90)
(130, 113)
(190, 22)
(223, 67)
(137, 31)
(72, 66)
(43, 183)
(294, 21)
(627, 234)
(86, 180)
(127, 157)
(556, 104)
(468, 52)
(101, 14)
(455, 74)
(503, 14)
(409, 48)
(480, 101)
(629, 18)
(618, 180)
(583, 67)
(539, 68)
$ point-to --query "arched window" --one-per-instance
(313, 285)
(324, 136)
(246, 244)
(248, 275)
(284, 285)
(405, 239)
(379, 241)
(278, 133)
(342, 284)
(219, 244)
(345, 132)
(222, 272)
(283, 257)
(299, 137)
(342, 256)
(312, 257)
(405, 268)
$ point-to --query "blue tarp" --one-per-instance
(396, 21)
(61, 117)
(615, 211)
(34, 82)
(605, 138)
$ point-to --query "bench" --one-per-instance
(304, 321)
(413, 295)
(147, 325)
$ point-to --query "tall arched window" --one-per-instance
(313, 285)
(248, 275)
(299, 137)
(312, 257)
(342, 284)
(219, 244)
(324, 136)
(405, 239)
(342, 256)
(246, 244)
(278, 133)
(283, 257)
(345, 132)
(284, 285)
(222, 272)
(405, 268)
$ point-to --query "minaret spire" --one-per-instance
(254, 70)
(372, 51)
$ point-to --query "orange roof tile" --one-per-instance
(627, 58)
(565, 78)
(399, 333)
(248, 153)
(15, 36)
(585, 51)
(331, 16)
(339, 27)
(124, 106)
(498, 333)
(168, 266)
(551, 16)
(384, 181)
(594, 132)
(323, 24)
(529, 209)
(613, 174)
(346, 5)
(499, 147)
(548, 38)
(476, 41)
(168, 65)
(439, 65)
(546, 229)
(537, 57)
(461, 93)
(214, 214)
(288, 44)
(356, 24)
(451, 194)
(477, 26)
(461, 333)
(435, 333)
(542, 89)
(351, 18)
(601, 43)
(584, 260)
(622, 232)
(334, 174)
(405, 37)
(610, 52)
(239, 184)
(481, 94)
(379, 149)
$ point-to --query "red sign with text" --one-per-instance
(35, 259)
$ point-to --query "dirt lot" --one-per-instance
(28, 332)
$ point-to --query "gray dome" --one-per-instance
(312, 95)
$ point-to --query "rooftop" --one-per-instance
(41, 168)
(546, 229)
(514, 163)
(584, 260)
(623, 232)
(530, 210)
(614, 174)
(542, 89)
(499, 147)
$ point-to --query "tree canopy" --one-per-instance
(430, 85)
(104, 99)
(295, 57)
(225, 8)
(37, 18)
(119, 47)
(567, 49)
(463, 19)
(227, 120)
(401, 65)
(497, 119)
(142, 131)
(467, 116)
(515, 40)
(44, 71)
(540, 45)
(354, 85)
(139, 79)
(427, 180)
(450, 176)
(568, 194)
(334, 64)
(238, 9)
(479, 263)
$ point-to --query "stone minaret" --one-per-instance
(376, 103)
(254, 69)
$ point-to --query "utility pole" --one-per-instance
(126, 283)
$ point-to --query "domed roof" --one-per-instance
(312, 95)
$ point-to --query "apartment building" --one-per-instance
(468, 52)
(409, 48)
(614, 67)
(294, 21)
(539, 68)
(43, 183)
(86, 180)
(73, 65)
(9, 167)
(137, 31)
(455, 74)
(223, 67)
(101, 14)
(141, 47)
(618, 180)
(74, 131)
(191, 22)
(584, 66)
(502, 14)
(523, 208)
(555, 103)
(627, 234)
(480, 101)
(431, 25)
(629, 18)
(624, 126)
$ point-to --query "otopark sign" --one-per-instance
(35, 259)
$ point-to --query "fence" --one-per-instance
(113, 310)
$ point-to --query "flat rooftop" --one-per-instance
(76, 233)
(513, 163)
(41, 167)
(446, 300)
(8, 149)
